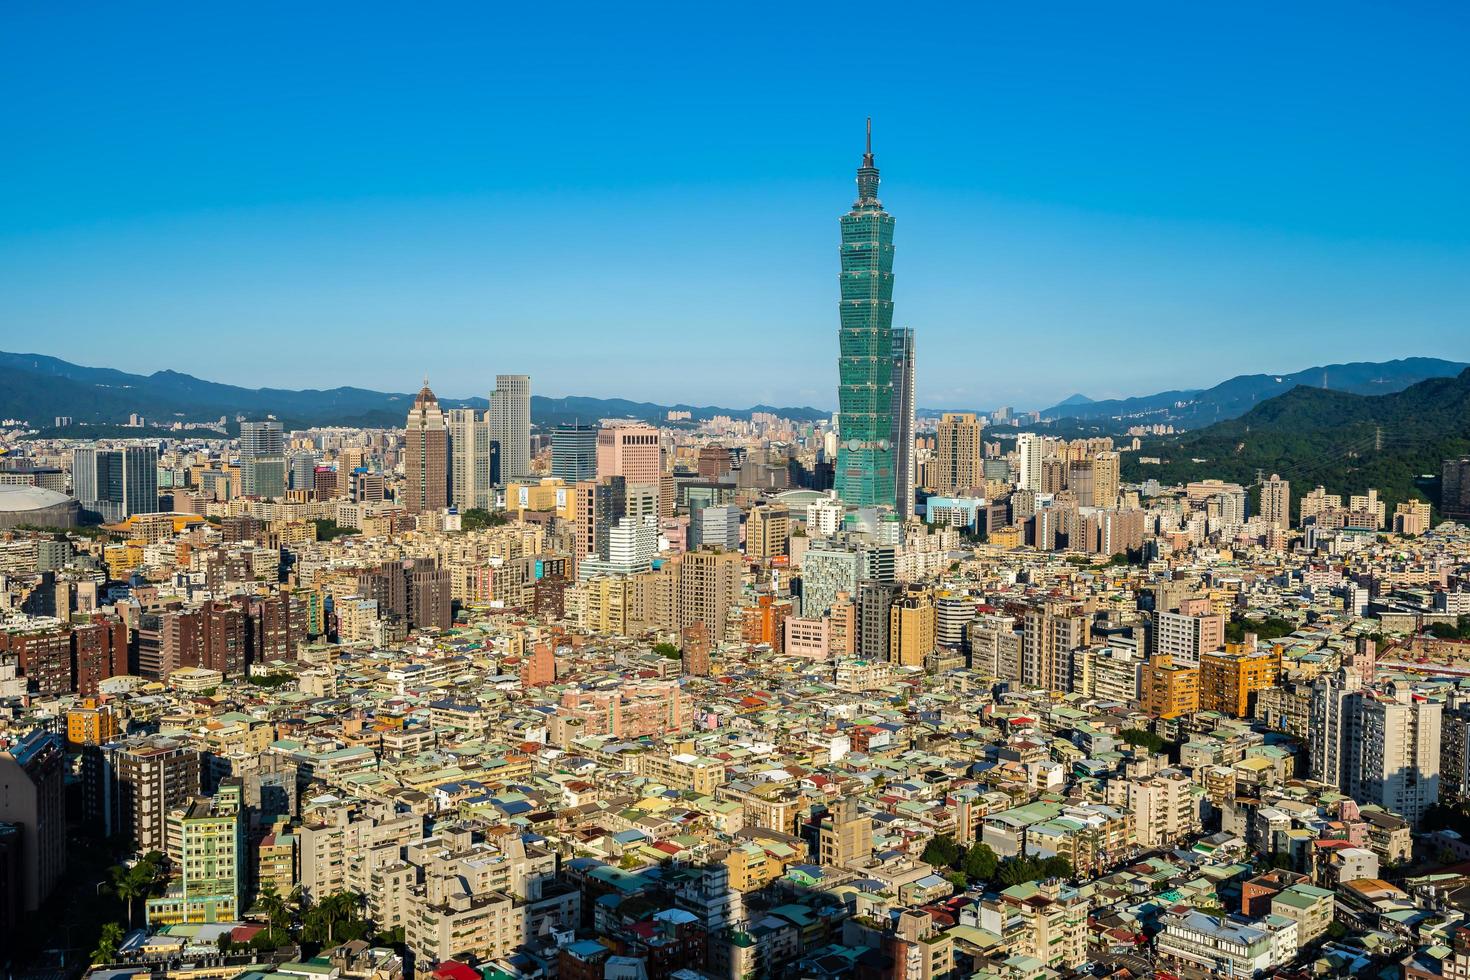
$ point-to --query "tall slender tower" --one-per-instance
(903, 421)
(426, 455)
(865, 459)
(510, 424)
(469, 458)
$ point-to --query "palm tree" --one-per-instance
(129, 884)
(338, 907)
(297, 904)
(107, 943)
(273, 906)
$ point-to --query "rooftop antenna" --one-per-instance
(868, 149)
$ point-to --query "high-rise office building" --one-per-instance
(631, 451)
(904, 466)
(865, 457)
(574, 452)
(426, 455)
(510, 424)
(1454, 497)
(116, 483)
(263, 438)
(263, 467)
(469, 458)
(767, 531)
(714, 527)
(263, 459)
(714, 461)
(1276, 501)
(958, 450)
(302, 471)
(264, 477)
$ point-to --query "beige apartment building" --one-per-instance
(1165, 808)
(959, 449)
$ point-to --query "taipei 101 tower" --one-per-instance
(865, 451)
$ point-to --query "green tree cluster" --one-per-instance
(976, 863)
(478, 518)
(1444, 631)
(1015, 870)
(941, 851)
(1144, 739)
(334, 919)
(327, 529)
(1270, 628)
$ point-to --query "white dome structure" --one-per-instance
(37, 507)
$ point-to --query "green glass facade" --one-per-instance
(865, 473)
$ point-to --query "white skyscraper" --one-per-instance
(1028, 449)
(824, 517)
(1398, 743)
(469, 458)
(1331, 720)
(510, 424)
(1376, 746)
(633, 543)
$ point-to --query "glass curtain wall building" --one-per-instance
(574, 452)
(865, 456)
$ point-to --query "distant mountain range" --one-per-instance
(39, 388)
(1194, 408)
(1345, 442)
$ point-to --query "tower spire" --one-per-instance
(867, 175)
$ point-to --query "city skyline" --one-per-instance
(445, 533)
(1301, 199)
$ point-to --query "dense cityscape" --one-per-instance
(882, 694)
(446, 533)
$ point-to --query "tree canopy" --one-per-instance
(478, 518)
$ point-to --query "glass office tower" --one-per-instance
(865, 452)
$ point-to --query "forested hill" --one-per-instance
(1233, 398)
(1344, 442)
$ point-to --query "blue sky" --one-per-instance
(642, 201)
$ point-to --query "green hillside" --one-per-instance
(1344, 442)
